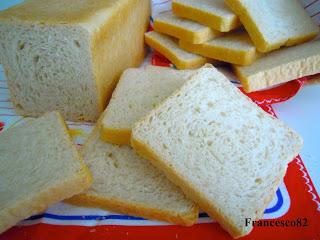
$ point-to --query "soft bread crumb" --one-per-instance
(229, 158)
(274, 23)
(139, 91)
(125, 183)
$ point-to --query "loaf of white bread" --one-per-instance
(68, 56)
(220, 148)
(39, 166)
(124, 182)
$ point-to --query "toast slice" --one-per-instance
(139, 91)
(224, 152)
(280, 66)
(235, 47)
(126, 183)
(169, 48)
(212, 13)
(274, 23)
(182, 28)
(39, 166)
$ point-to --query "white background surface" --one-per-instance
(302, 113)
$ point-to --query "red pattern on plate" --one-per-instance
(1, 126)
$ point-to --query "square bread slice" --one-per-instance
(212, 13)
(169, 48)
(39, 166)
(280, 66)
(126, 183)
(139, 91)
(274, 23)
(184, 29)
(235, 47)
(224, 152)
(68, 55)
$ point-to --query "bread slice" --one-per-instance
(212, 13)
(126, 183)
(225, 153)
(235, 47)
(69, 57)
(182, 28)
(39, 166)
(139, 91)
(280, 66)
(169, 48)
(274, 23)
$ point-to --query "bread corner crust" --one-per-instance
(179, 63)
(146, 152)
(85, 176)
(243, 79)
(37, 204)
(87, 200)
(115, 136)
(205, 18)
(251, 27)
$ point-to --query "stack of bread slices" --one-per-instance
(255, 37)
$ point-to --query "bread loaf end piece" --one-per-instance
(69, 58)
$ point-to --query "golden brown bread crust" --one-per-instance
(56, 12)
(115, 136)
(37, 204)
(199, 15)
(134, 209)
(131, 40)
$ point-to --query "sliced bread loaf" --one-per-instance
(274, 23)
(139, 91)
(68, 56)
(169, 48)
(225, 153)
(39, 166)
(235, 47)
(126, 183)
(212, 13)
(184, 29)
(280, 66)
